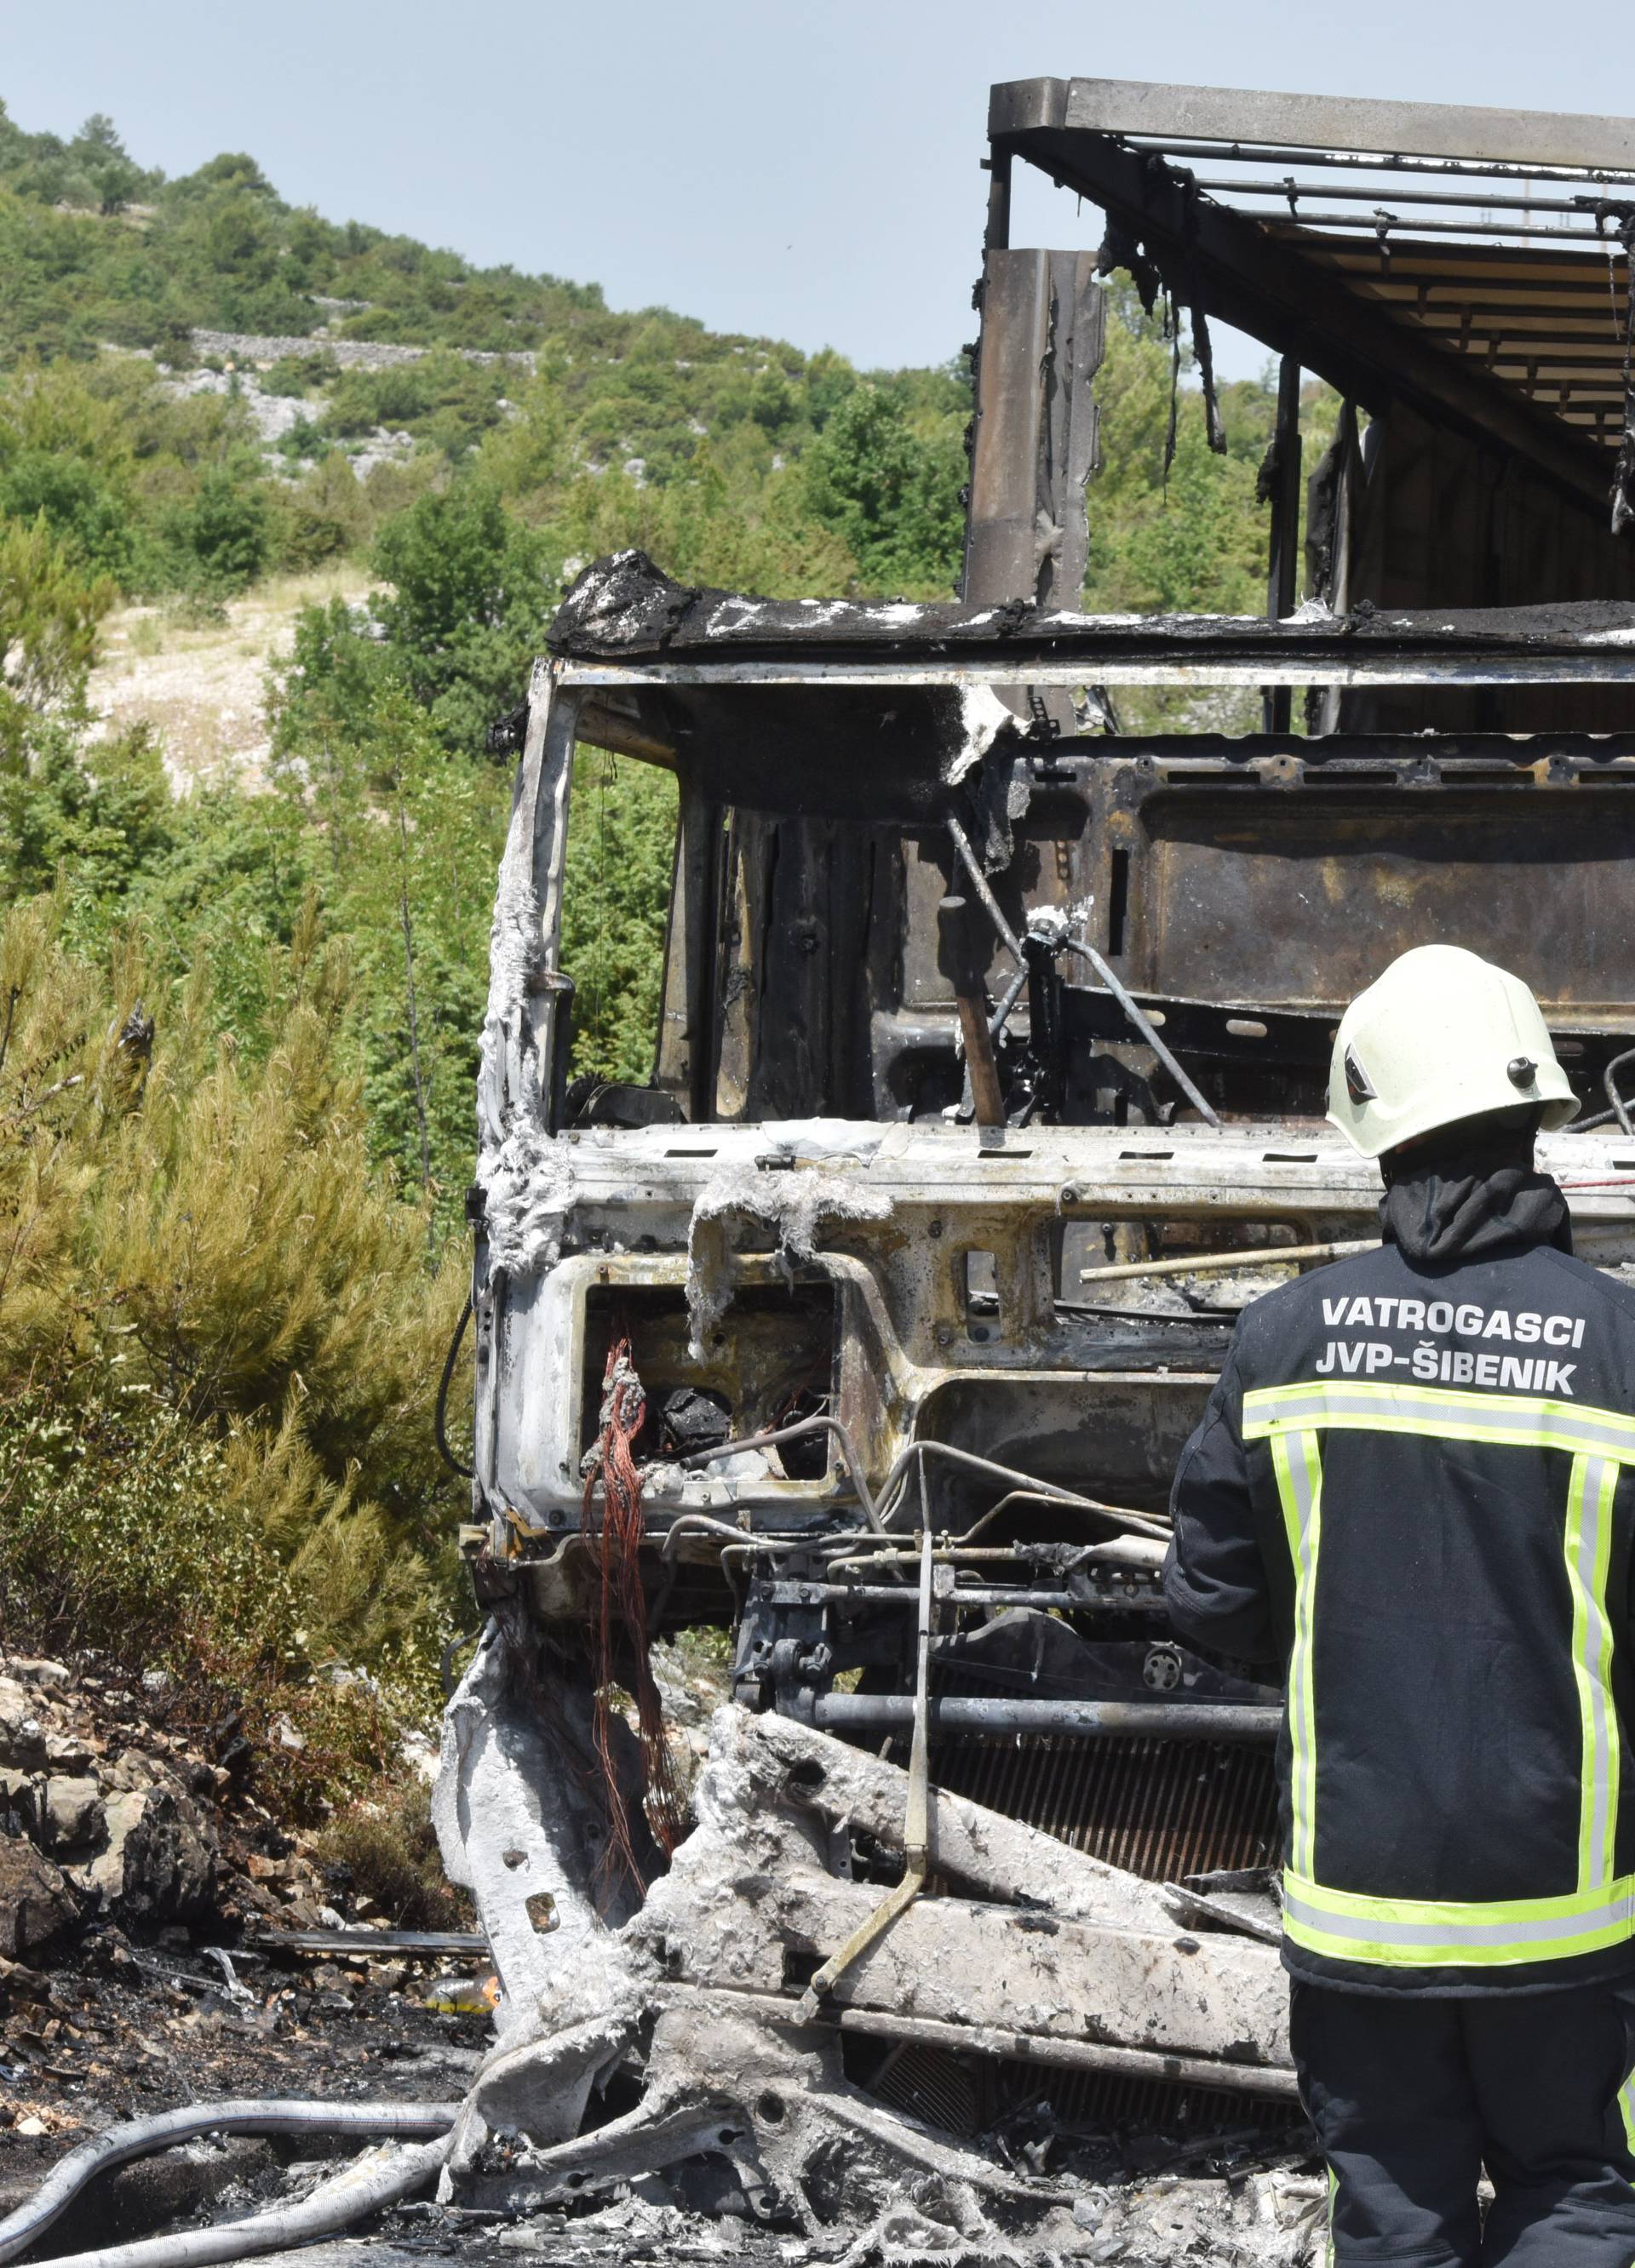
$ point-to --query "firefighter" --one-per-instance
(1413, 1490)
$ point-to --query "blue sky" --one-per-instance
(809, 172)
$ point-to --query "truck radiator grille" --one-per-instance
(1101, 2103)
(1158, 1808)
(966, 2095)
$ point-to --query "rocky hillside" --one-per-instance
(108, 1816)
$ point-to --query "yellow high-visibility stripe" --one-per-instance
(1378, 1406)
(1626, 2104)
(1377, 1952)
(1543, 1918)
(1297, 1461)
(1591, 1489)
(1434, 1934)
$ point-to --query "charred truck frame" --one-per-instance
(988, 1088)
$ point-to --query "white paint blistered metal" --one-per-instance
(529, 1186)
(1598, 663)
(793, 1205)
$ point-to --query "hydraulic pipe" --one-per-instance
(698, 1523)
(1047, 1490)
(1070, 2055)
(1153, 1536)
(983, 888)
(882, 1594)
(1122, 1550)
(1125, 1551)
(1144, 1025)
(1163, 1720)
(1221, 1263)
(1008, 999)
(795, 1433)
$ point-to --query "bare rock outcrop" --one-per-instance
(109, 1813)
(38, 1903)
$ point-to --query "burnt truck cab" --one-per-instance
(997, 1320)
(988, 1082)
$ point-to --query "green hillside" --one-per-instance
(237, 1030)
(741, 458)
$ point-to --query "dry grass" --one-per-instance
(203, 687)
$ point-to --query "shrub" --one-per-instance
(50, 609)
(93, 524)
(363, 399)
(889, 483)
(323, 516)
(224, 537)
(327, 691)
(467, 610)
(219, 1336)
(386, 1844)
(621, 853)
(295, 376)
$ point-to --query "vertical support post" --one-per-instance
(997, 236)
(1283, 572)
(684, 1064)
(1042, 336)
(1330, 579)
(1026, 529)
(516, 1075)
(961, 964)
(517, 1066)
(547, 990)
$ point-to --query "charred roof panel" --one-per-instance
(1471, 263)
(625, 617)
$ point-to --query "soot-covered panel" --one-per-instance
(1302, 900)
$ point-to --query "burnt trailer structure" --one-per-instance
(987, 1089)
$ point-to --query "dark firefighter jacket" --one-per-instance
(1413, 1488)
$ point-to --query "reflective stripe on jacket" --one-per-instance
(1414, 1486)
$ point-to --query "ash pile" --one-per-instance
(850, 2013)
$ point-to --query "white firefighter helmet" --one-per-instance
(1441, 1035)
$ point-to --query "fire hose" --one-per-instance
(365, 2185)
